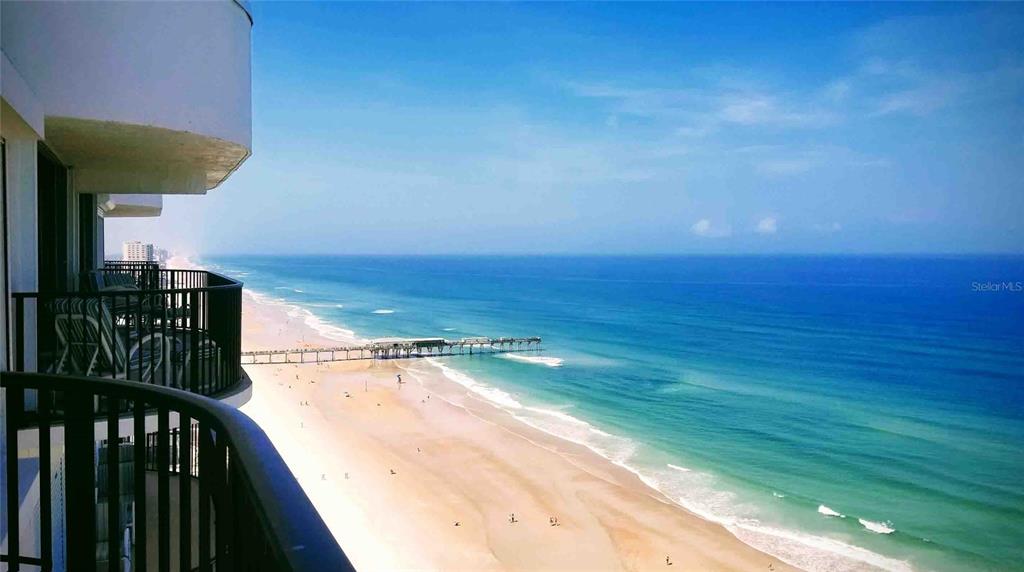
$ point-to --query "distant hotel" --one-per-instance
(135, 251)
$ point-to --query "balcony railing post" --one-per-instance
(15, 409)
(184, 493)
(223, 508)
(79, 440)
(45, 480)
(113, 462)
(139, 437)
(163, 491)
(206, 465)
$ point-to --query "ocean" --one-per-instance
(838, 412)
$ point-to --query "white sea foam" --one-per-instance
(678, 468)
(778, 495)
(325, 329)
(492, 394)
(822, 509)
(878, 527)
(383, 311)
(539, 360)
(448, 329)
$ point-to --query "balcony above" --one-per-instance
(122, 206)
(138, 97)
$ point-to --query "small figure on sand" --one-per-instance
(399, 376)
(553, 520)
(393, 472)
(456, 523)
(668, 561)
(323, 476)
(346, 476)
(512, 518)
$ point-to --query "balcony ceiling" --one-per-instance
(121, 158)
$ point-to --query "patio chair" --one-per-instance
(182, 356)
(90, 343)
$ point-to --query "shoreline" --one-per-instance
(471, 463)
(692, 540)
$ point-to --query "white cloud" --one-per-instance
(767, 225)
(705, 106)
(921, 100)
(705, 228)
(690, 131)
(828, 227)
(760, 109)
(784, 167)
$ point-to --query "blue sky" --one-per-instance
(622, 128)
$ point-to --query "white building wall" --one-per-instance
(177, 65)
(22, 231)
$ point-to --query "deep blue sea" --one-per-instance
(835, 411)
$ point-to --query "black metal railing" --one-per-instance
(176, 328)
(241, 510)
(144, 273)
(174, 442)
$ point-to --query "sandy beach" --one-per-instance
(425, 475)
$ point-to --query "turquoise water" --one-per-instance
(761, 392)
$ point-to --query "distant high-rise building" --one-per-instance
(136, 251)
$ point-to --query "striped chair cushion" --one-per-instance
(119, 280)
(89, 321)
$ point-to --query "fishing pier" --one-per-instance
(393, 348)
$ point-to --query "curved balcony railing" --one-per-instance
(135, 321)
(82, 494)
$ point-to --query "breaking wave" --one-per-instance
(822, 509)
(538, 360)
(877, 527)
